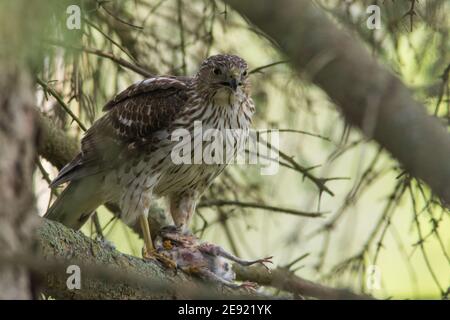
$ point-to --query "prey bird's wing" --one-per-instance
(131, 117)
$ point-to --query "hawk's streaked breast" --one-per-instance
(128, 150)
(154, 172)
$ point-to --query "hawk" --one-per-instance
(126, 155)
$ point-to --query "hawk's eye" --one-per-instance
(244, 73)
(217, 71)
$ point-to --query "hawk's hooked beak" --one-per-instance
(231, 83)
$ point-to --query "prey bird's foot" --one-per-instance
(249, 286)
(263, 262)
(213, 277)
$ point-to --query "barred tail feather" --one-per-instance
(77, 202)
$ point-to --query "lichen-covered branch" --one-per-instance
(108, 274)
(284, 279)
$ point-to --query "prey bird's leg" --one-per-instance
(211, 276)
(219, 251)
(149, 248)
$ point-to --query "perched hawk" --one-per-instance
(126, 156)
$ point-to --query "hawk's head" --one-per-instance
(224, 71)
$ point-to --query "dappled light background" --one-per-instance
(376, 217)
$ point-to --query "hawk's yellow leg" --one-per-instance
(149, 249)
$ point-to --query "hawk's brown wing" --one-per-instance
(132, 116)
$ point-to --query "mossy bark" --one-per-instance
(109, 274)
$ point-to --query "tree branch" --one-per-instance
(369, 96)
(55, 145)
(284, 279)
(108, 274)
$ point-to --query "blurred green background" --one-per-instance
(378, 216)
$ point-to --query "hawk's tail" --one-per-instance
(77, 202)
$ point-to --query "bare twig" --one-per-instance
(219, 203)
(61, 102)
(133, 67)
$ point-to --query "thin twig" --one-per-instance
(261, 68)
(181, 31)
(61, 102)
(134, 67)
(295, 131)
(219, 203)
(120, 19)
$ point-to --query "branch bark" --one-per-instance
(109, 274)
(106, 273)
(368, 95)
(54, 144)
(18, 133)
(17, 212)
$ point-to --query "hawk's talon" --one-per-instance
(155, 255)
(146, 255)
(167, 244)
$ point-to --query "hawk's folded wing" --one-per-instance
(132, 116)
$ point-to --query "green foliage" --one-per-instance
(379, 215)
